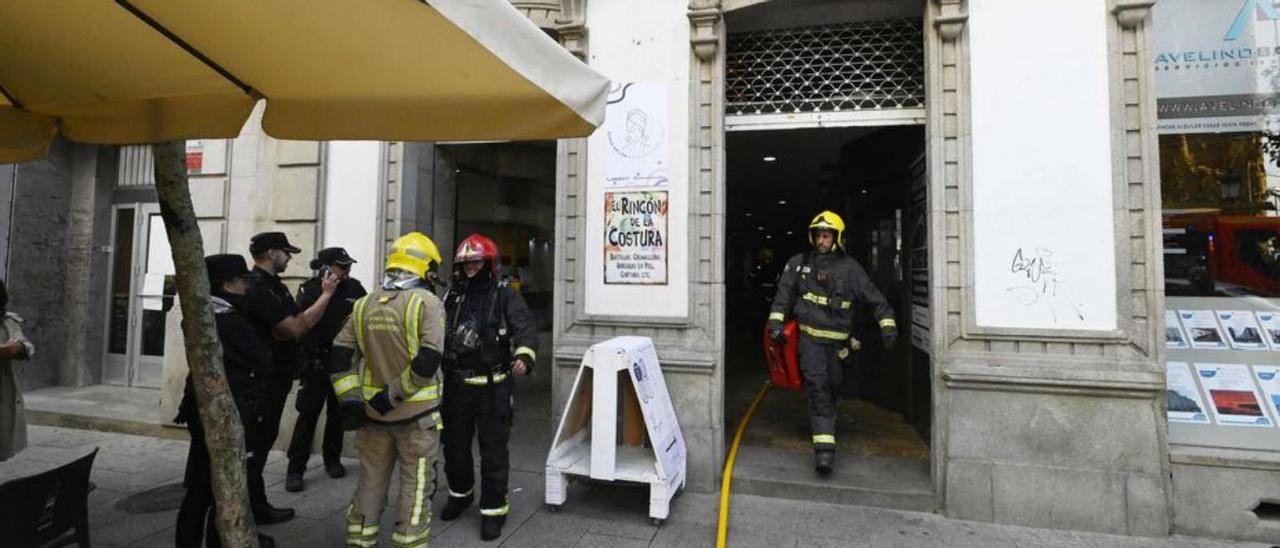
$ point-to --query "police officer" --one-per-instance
(315, 391)
(820, 288)
(280, 322)
(490, 336)
(396, 334)
(246, 361)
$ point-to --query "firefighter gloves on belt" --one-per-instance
(889, 335)
(381, 402)
(352, 414)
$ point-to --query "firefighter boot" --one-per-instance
(456, 504)
(824, 460)
(491, 526)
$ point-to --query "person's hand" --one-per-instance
(11, 349)
(381, 402)
(352, 415)
(776, 333)
(889, 336)
(520, 365)
(330, 283)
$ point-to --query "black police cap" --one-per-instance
(264, 241)
(225, 267)
(331, 255)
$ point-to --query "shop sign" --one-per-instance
(635, 238)
(195, 156)
(1216, 64)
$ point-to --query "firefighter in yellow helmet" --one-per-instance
(392, 398)
(820, 289)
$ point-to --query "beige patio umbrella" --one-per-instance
(159, 71)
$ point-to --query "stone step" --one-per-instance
(881, 482)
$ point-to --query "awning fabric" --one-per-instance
(141, 71)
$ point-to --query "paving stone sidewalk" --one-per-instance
(595, 515)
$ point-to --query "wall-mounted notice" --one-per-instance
(1270, 322)
(1242, 329)
(1030, 272)
(1230, 388)
(1185, 404)
(1203, 329)
(635, 238)
(635, 125)
(1174, 337)
(1269, 380)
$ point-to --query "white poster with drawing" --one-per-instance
(1270, 322)
(1174, 337)
(1185, 403)
(1235, 399)
(636, 128)
(1242, 329)
(1202, 327)
(1269, 379)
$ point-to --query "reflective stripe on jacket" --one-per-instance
(821, 293)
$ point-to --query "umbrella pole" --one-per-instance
(223, 432)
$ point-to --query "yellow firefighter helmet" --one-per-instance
(828, 220)
(414, 252)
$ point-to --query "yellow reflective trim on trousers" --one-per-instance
(527, 352)
(824, 438)
(401, 539)
(362, 542)
(888, 322)
(419, 488)
(346, 384)
(777, 316)
(496, 511)
(482, 380)
(845, 305)
(359, 314)
(815, 298)
(823, 333)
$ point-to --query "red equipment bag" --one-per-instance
(784, 369)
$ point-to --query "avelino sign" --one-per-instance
(1215, 64)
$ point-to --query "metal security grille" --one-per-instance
(864, 65)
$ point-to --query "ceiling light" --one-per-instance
(864, 191)
(759, 228)
(789, 233)
(748, 213)
(770, 158)
(782, 202)
(768, 236)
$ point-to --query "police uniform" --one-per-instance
(316, 390)
(267, 303)
(246, 360)
(395, 336)
(822, 291)
(477, 394)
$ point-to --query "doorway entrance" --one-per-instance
(141, 295)
(874, 178)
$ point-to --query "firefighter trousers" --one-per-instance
(482, 412)
(820, 367)
(413, 447)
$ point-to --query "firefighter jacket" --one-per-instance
(821, 290)
(387, 330)
(502, 324)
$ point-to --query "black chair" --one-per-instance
(48, 509)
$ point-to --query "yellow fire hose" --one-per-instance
(722, 528)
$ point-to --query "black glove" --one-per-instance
(889, 336)
(381, 402)
(352, 414)
(775, 333)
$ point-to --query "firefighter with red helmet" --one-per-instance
(819, 288)
(489, 338)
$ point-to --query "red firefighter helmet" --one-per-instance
(475, 248)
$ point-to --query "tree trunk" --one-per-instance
(223, 433)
